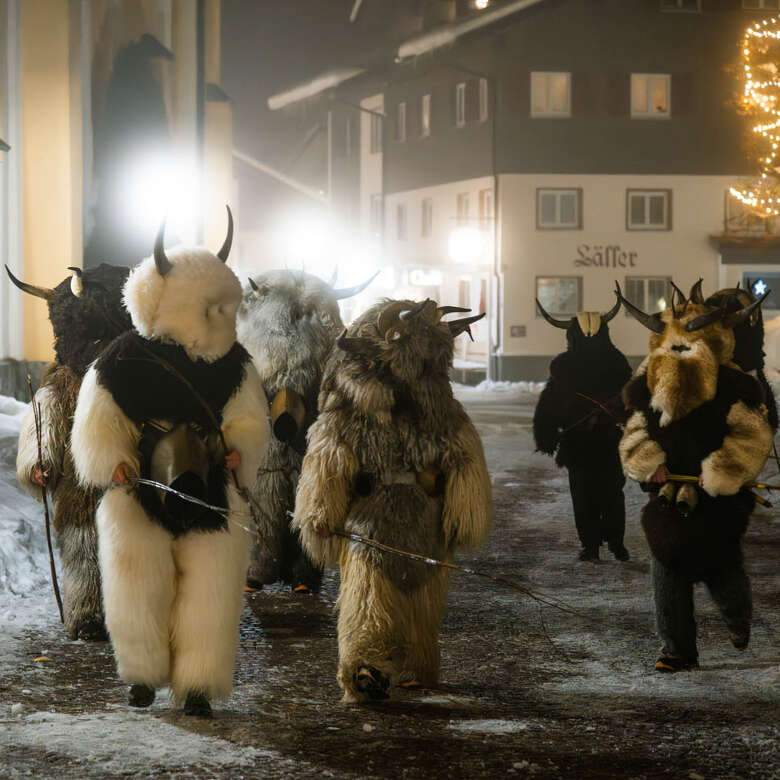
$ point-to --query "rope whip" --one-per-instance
(36, 407)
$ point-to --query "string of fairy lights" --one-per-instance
(761, 95)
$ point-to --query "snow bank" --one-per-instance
(24, 559)
(499, 392)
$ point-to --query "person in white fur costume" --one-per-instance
(173, 572)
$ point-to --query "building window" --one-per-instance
(483, 100)
(681, 5)
(559, 295)
(377, 216)
(425, 116)
(759, 282)
(649, 293)
(739, 218)
(376, 133)
(558, 209)
(550, 94)
(485, 208)
(761, 5)
(462, 208)
(400, 125)
(650, 95)
(464, 293)
(427, 217)
(648, 210)
(400, 221)
(460, 104)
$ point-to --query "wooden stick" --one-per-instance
(37, 416)
(757, 485)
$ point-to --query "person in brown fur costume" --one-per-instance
(86, 312)
(394, 457)
(695, 412)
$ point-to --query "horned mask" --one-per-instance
(690, 340)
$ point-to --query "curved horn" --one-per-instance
(556, 323)
(681, 296)
(706, 319)
(334, 276)
(443, 311)
(464, 325)
(648, 320)
(348, 292)
(696, 295)
(76, 282)
(740, 316)
(38, 292)
(607, 316)
(408, 314)
(161, 260)
(225, 250)
(255, 288)
(351, 344)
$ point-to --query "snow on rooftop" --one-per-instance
(320, 83)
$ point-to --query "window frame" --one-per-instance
(401, 222)
(376, 214)
(425, 115)
(548, 113)
(426, 218)
(579, 279)
(576, 225)
(486, 215)
(647, 192)
(645, 280)
(400, 122)
(651, 114)
(460, 104)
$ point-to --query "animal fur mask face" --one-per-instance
(86, 312)
(187, 297)
(286, 319)
(407, 340)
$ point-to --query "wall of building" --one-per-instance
(683, 253)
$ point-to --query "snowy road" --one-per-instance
(523, 694)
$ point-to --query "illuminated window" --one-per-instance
(651, 294)
(648, 210)
(680, 5)
(650, 95)
(560, 295)
(550, 94)
(558, 209)
(427, 217)
(462, 208)
(483, 100)
(761, 5)
(464, 293)
(425, 115)
(460, 104)
(400, 125)
(376, 134)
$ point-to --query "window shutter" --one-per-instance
(583, 94)
(682, 94)
(618, 94)
(453, 104)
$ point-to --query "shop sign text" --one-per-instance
(605, 256)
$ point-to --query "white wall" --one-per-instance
(685, 252)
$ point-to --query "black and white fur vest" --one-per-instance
(135, 371)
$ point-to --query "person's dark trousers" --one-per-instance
(597, 498)
(587, 512)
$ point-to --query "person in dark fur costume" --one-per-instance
(695, 412)
(579, 414)
(86, 312)
(392, 456)
(178, 401)
(288, 321)
(749, 340)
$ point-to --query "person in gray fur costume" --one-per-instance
(394, 457)
(288, 321)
